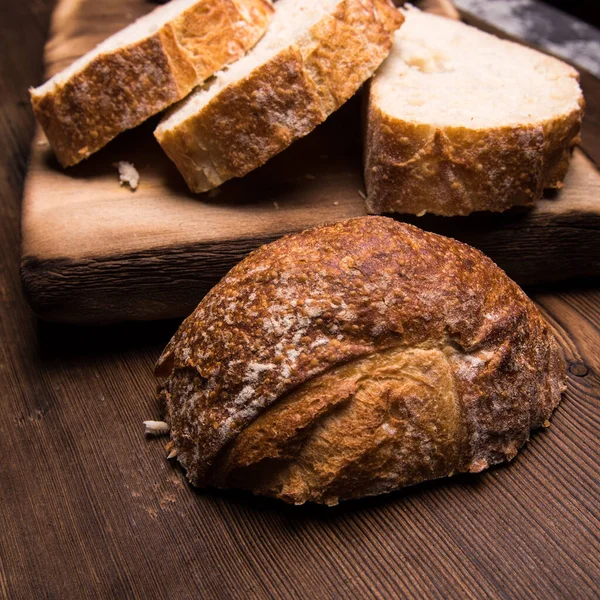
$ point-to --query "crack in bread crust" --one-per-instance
(377, 424)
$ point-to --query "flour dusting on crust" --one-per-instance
(313, 301)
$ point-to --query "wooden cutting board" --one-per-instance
(95, 252)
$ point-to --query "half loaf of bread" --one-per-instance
(460, 121)
(314, 56)
(355, 359)
(142, 70)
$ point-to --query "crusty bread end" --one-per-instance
(354, 359)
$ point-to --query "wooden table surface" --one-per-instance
(89, 508)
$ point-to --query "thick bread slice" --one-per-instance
(314, 56)
(142, 70)
(460, 121)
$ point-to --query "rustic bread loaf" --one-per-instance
(460, 121)
(142, 70)
(314, 56)
(354, 359)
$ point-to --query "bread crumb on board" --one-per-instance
(156, 428)
(128, 174)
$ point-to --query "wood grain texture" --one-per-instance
(90, 509)
(94, 252)
(557, 239)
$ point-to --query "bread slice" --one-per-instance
(314, 56)
(461, 121)
(142, 70)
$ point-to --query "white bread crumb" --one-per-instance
(128, 174)
(156, 428)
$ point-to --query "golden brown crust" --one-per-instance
(354, 359)
(417, 168)
(284, 99)
(119, 90)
